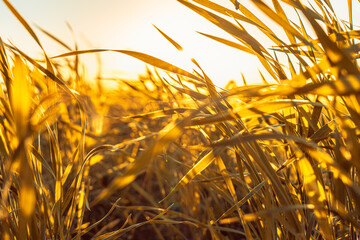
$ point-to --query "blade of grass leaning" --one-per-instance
(195, 170)
(56, 39)
(229, 43)
(173, 42)
(23, 22)
(156, 62)
(251, 193)
(282, 14)
(350, 14)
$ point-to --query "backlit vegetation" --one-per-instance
(176, 157)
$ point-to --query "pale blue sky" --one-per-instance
(127, 24)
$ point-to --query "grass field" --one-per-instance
(176, 157)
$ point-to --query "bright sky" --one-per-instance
(127, 24)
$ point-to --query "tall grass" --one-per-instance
(178, 158)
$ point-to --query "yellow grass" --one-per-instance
(178, 158)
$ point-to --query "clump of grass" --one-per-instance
(179, 157)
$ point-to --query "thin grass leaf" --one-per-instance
(23, 22)
(174, 43)
(195, 170)
(56, 39)
(282, 14)
(141, 56)
(249, 195)
(229, 43)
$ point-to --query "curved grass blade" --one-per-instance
(156, 62)
(202, 164)
(243, 200)
(282, 14)
(23, 22)
(56, 39)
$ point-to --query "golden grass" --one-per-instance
(178, 158)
